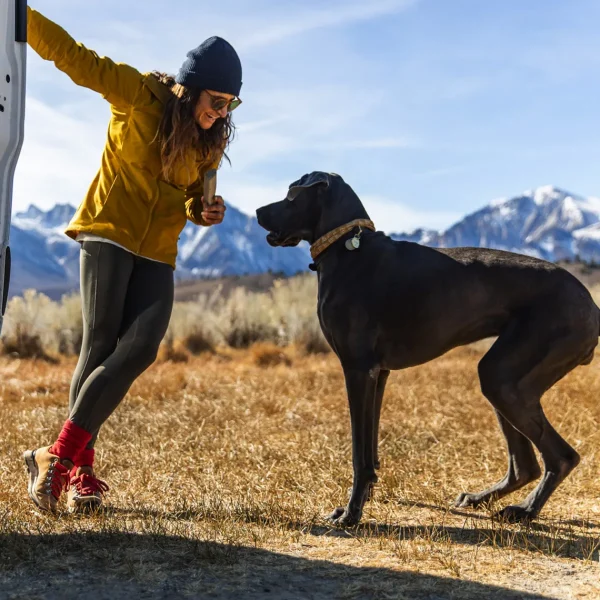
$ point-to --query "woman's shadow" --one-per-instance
(120, 565)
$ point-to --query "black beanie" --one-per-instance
(214, 65)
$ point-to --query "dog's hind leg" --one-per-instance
(381, 381)
(362, 388)
(525, 361)
(522, 468)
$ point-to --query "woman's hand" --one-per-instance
(215, 213)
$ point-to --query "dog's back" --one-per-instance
(447, 296)
(516, 278)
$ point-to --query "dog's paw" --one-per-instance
(336, 514)
(341, 517)
(516, 514)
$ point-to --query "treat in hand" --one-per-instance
(210, 186)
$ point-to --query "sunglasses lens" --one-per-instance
(234, 104)
(220, 103)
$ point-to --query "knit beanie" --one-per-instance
(214, 65)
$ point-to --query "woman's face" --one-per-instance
(205, 114)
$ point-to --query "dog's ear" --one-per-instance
(310, 180)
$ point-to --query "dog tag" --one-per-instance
(353, 244)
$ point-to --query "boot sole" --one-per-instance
(32, 469)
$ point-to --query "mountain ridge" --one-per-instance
(547, 222)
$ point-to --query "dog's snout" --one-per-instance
(267, 216)
(260, 215)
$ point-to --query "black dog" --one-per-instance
(387, 305)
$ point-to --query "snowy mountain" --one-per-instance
(44, 258)
(236, 247)
(546, 222)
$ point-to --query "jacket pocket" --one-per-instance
(168, 219)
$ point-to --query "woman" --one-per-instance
(164, 134)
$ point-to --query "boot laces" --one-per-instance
(88, 485)
(57, 479)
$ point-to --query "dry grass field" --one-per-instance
(222, 467)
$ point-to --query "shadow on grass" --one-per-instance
(584, 523)
(122, 565)
(554, 543)
(563, 539)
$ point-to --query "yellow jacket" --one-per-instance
(128, 202)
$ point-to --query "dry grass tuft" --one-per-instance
(312, 340)
(266, 354)
(173, 351)
(21, 343)
(196, 343)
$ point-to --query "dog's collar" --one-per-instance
(333, 236)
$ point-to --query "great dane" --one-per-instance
(386, 305)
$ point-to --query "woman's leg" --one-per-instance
(105, 272)
(146, 309)
(146, 314)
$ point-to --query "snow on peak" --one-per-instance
(54, 219)
(590, 204)
(547, 194)
(591, 232)
(574, 211)
(32, 212)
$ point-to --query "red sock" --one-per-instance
(71, 441)
(85, 458)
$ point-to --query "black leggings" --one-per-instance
(127, 302)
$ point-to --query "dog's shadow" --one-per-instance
(537, 526)
(562, 539)
(550, 538)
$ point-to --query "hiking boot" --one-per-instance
(48, 477)
(85, 490)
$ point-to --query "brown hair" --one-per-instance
(178, 130)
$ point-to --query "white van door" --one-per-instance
(13, 53)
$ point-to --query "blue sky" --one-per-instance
(428, 108)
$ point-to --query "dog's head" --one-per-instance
(314, 205)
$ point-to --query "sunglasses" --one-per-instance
(218, 103)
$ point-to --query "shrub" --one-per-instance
(267, 354)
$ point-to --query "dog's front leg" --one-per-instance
(381, 381)
(361, 386)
